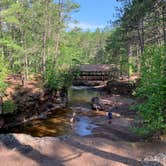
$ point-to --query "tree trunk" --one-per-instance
(129, 52)
(1, 105)
(44, 53)
(24, 77)
(1, 34)
(138, 59)
(45, 36)
(25, 74)
(164, 22)
(140, 31)
(57, 39)
(26, 67)
(57, 34)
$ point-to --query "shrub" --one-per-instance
(8, 106)
(153, 89)
(58, 78)
(3, 73)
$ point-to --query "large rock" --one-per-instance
(120, 87)
(96, 104)
(34, 105)
(157, 160)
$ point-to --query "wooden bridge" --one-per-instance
(97, 72)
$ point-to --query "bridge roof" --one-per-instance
(97, 67)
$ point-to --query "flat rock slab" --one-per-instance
(24, 150)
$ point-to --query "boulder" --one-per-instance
(96, 104)
(120, 87)
(156, 160)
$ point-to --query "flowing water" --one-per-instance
(79, 100)
(59, 123)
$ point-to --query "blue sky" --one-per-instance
(95, 13)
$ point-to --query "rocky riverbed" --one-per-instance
(109, 142)
(22, 149)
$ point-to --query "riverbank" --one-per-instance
(21, 149)
(30, 102)
(111, 142)
(92, 140)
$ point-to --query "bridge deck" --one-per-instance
(99, 72)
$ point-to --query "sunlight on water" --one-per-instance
(81, 94)
(56, 125)
(59, 122)
(84, 126)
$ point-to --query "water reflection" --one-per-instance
(56, 125)
(82, 94)
(84, 126)
(59, 123)
(79, 100)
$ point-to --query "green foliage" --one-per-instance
(9, 15)
(10, 44)
(116, 50)
(79, 47)
(23, 24)
(57, 78)
(3, 72)
(9, 107)
(153, 89)
(133, 68)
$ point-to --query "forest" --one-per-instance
(36, 41)
(47, 119)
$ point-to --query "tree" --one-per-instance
(3, 73)
(31, 32)
(141, 34)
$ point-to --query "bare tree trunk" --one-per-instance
(26, 67)
(142, 35)
(57, 34)
(44, 53)
(1, 34)
(49, 23)
(57, 39)
(1, 105)
(138, 59)
(24, 76)
(121, 68)
(157, 28)
(129, 52)
(140, 31)
(164, 22)
(45, 36)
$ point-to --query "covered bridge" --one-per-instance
(95, 72)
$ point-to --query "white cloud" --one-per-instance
(86, 26)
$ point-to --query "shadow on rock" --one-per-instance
(112, 156)
(12, 143)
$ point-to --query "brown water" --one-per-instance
(55, 125)
(59, 123)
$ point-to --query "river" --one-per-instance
(59, 123)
